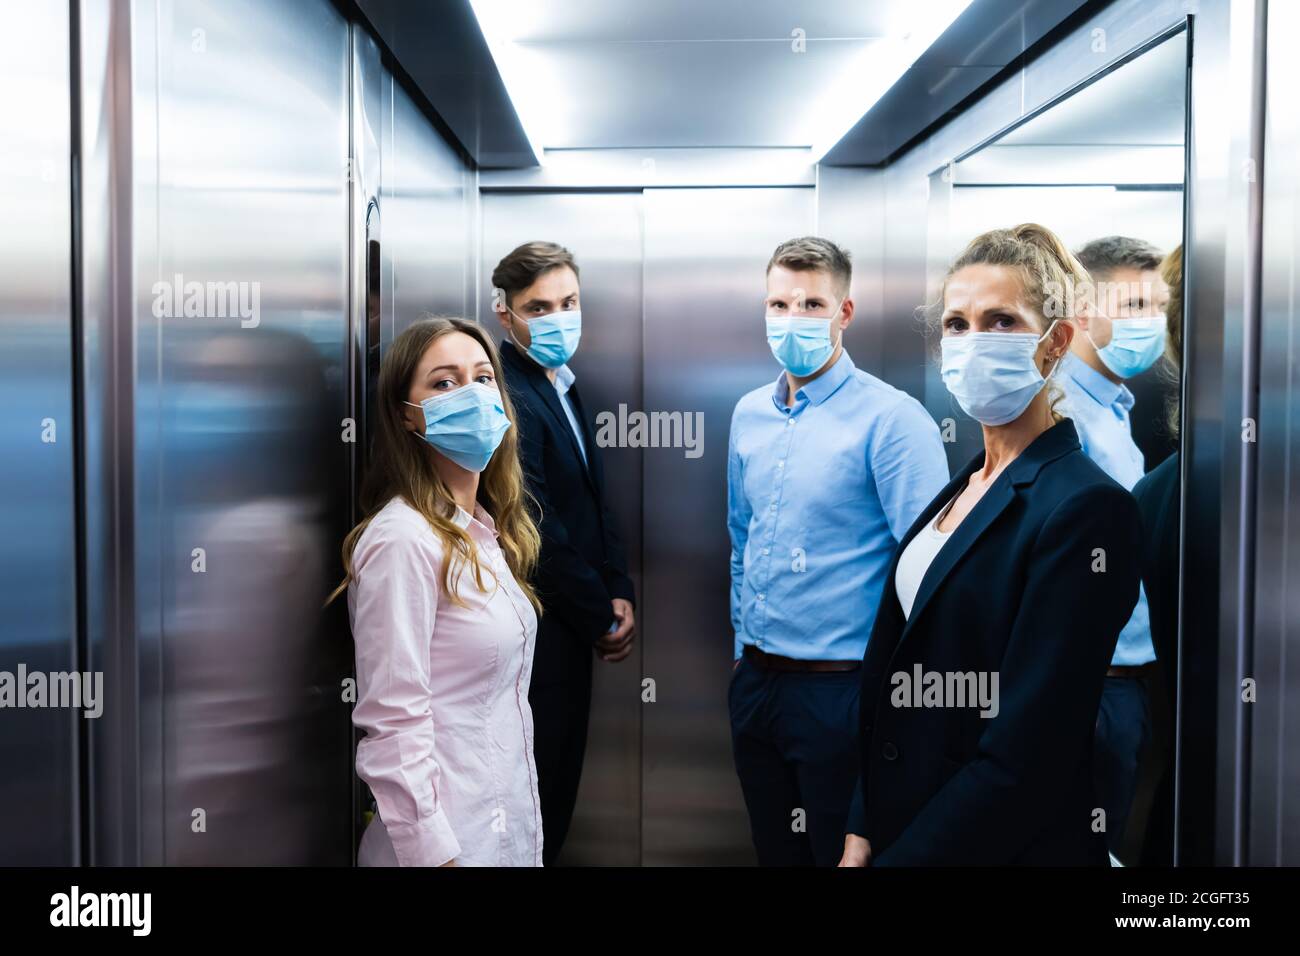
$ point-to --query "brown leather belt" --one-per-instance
(775, 662)
(1131, 670)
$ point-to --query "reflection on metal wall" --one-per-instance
(425, 210)
(1275, 747)
(705, 251)
(1209, 809)
(181, 423)
(241, 312)
(38, 747)
(604, 232)
(107, 373)
(850, 212)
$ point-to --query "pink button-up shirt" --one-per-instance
(442, 694)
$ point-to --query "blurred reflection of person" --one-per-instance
(443, 617)
(250, 675)
(998, 577)
(1122, 334)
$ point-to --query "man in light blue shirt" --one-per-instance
(827, 468)
(1121, 336)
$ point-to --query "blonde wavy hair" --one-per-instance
(402, 464)
(1055, 284)
(1171, 270)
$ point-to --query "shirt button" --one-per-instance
(789, 421)
(781, 463)
(889, 751)
(762, 596)
(767, 550)
(773, 508)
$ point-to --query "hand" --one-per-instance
(857, 850)
(617, 644)
(451, 862)
(736, 664)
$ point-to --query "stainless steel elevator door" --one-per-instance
(705, 346)
(604, 232)
(38, 747)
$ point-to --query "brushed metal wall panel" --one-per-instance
(107, 339)
(705, 346)
(239, 412)
(1275, 744)
(38, 574)
(851, 213)
(604, 232)
(426, 209)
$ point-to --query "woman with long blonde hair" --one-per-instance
(443, 616)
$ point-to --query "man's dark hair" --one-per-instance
(1101, 257)
(520, 269)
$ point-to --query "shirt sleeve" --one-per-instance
(739, 513)
(397, 579)
(908, 463)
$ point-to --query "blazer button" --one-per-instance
(889, 751)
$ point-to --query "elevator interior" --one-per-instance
(176, 485)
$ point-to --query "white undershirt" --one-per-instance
(916, 559)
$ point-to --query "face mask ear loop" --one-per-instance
(518, 344)
(1057, 363)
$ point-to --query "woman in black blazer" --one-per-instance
(984, 670)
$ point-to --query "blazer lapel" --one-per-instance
(588, 438)
(1053, 443)
(986, 510)
(542, 386)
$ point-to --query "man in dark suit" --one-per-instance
(582, 576)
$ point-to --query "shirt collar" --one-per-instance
(481, 520)
(1102, 389)
(820, 388)
(564, 378)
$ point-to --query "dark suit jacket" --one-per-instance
(1013, 591)
(1157, 495)
(582, 566)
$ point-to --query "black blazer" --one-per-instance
(1157, 496)
(582, 566)
(1013, 591)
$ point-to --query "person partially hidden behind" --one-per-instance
(1121, 335)
(443, 617)
(1016, 578)
(582, 578)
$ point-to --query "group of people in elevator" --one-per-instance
(928, 669)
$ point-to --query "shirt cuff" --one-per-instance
(427, 843)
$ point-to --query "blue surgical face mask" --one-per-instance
(466, 425)
(993, 375)
(1134, 346)
(553, 338)
(801, 343)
